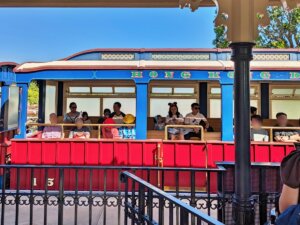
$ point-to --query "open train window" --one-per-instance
(214, 99)
(163, 92)
(285, 98)
(95, 96)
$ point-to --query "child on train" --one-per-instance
(175, 118)
(79, 131)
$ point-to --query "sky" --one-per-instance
(45, 34)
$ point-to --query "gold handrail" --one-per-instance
(278, 128)
(63, 125)
(184, 126)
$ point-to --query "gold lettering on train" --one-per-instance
(50, 182)
(294, 75)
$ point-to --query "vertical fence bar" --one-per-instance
(61, 197)
(161, 210)
(90, 196)
(177, 194)
(141, 208)
(46, 196)
(171, 216)
(104, 197)
(3, 198)
(221, 202)
(184, 217)
(17, 197)
(126, 200)
(263, 215)
(76, 200)
(208, 193)
(119, 199)
(133, 203)
(150, 204)
(193, 195)
(31, 199)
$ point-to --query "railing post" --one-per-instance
(243, 213)
(61, 197)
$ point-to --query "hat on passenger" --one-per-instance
(128, 119)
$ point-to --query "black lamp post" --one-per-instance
(243, 209)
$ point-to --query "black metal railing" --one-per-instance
(265, 185)
(39, 194)
(139, 205)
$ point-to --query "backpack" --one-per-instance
(291, 216)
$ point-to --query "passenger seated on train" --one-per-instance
(175, 118)
(194, 118)
(71, 116)
(109, 132)
(79, 131)
(257, 133)
(253, 110)
(52, 131)
(86, 119)
(284, 135)
(128, 132)
(159, 123)
(117, 115)
(106, 114)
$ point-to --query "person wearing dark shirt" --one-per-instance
(257, 133)
(285, 135)
(117, 115)
(106, 114)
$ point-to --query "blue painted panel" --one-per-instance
(227, 112)
(23, 111)
(141, 111)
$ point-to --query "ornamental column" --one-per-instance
(243, 209)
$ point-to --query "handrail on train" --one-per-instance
(184, 126)
(271, 129)
(63, 125)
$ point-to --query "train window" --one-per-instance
(162, 90)
(159, 106)
(84, 104)
(290, 107)
(179, 90)
(124, 89)
(79, 89)
(214, 99)
(128, 104)
(102, 90)
(50, 100)
(286, 98)
(281, 91)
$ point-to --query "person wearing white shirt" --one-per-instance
(194, 118)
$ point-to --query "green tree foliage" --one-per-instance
(283, 31)
(221, 37)
(33, 93)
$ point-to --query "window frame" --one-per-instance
(210, 96)
(172, 84)
(282, 85)
(98, 83)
